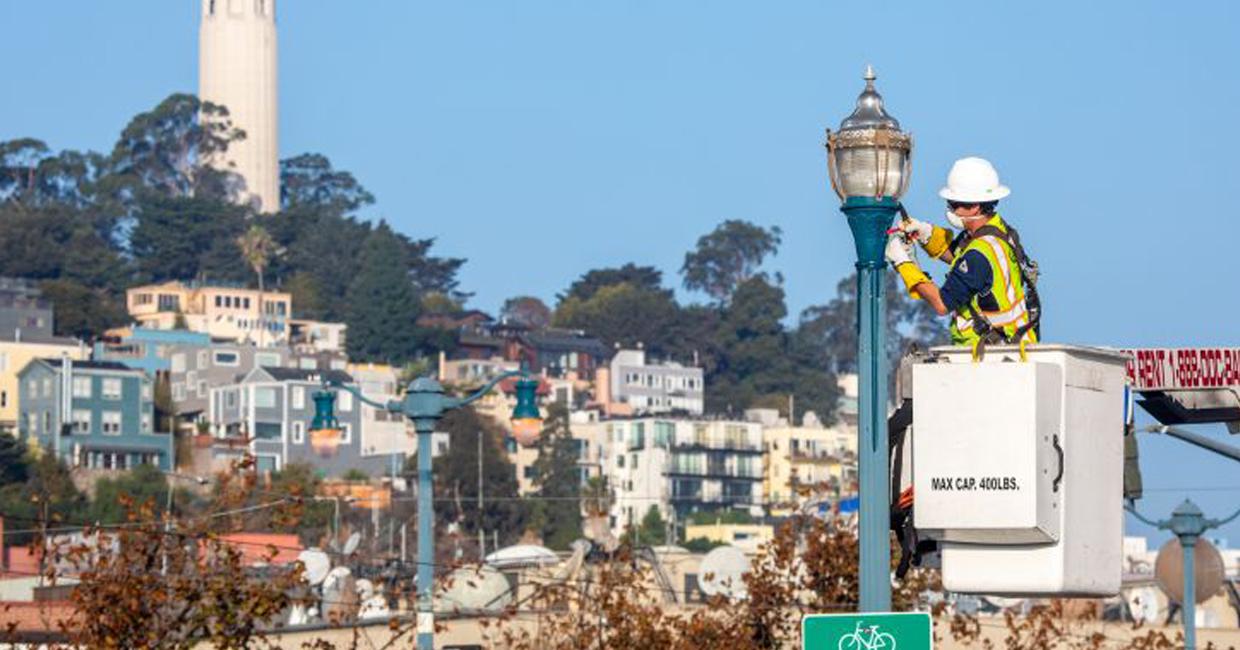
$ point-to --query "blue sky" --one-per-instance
(543, 139)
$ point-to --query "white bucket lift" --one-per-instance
(1018, 468)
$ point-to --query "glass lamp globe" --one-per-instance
(526, 419)
(869, 156)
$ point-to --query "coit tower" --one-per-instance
(237, 69)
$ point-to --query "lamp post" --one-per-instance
(425, 404)
(868, 161)
(1188, 523)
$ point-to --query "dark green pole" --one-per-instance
(869, 219)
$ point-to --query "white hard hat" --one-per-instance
(973, 180)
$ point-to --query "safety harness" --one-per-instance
(1029, 277)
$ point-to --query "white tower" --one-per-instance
(237, 69)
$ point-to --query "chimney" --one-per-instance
(17, 335)
(602, 388)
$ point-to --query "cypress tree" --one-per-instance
(383, 304)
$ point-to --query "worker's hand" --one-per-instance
(919, 230)
(899, 251)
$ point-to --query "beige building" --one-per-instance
(14, 355)
(234, 313)
(746, 537)
(806, 464)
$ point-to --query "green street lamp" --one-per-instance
(424, 404)
(869, 162)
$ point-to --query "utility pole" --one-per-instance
(482, 536)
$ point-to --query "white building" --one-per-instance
(682, 467)
(237, 69)
(649, 387)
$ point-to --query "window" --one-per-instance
(265, 397)
(202, 358)
(146, 390)
(47, 387)
(178, 362)
(111, 423)
(230, 398)
(81, 422)
(47, 422)
(202, 387)
(111, 388)
(346, 433)
(306, 363)
(528, 471)
(169, 302)
(32, 387)
(4, 398)
(146, 423)
(245, 303)
(219, 301)
(299, 432)
(299, 397)
(268, 430)
(338, 364)
(346, 401)
(226, 358)
(178, 391)
(267, 360)
(633, 460)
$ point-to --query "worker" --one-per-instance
(990, 287)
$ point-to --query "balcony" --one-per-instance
(727, 446)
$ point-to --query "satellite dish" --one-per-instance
(1207, 565)
(365, 588)
(722, 573)
(316, 565)
(522, 555)
(350, 545)
(339, 595)
(474, 589)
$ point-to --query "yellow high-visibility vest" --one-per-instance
(1007, 287)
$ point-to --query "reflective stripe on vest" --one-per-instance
(1007, 288)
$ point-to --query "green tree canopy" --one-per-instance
(48, 495)
(527, 311)
(728, 256)
(383, 302)
(558, 480)
(640, 277)
(140, 484)
(456, 480)
(624, 314)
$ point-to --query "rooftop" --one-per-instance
(303, 374)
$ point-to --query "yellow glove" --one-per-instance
(936, 245)
(912, 276)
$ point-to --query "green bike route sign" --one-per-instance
(882, 631)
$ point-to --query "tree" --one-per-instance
(641, 277)
(48, 496)
(168, 150)
(308, 181)
(383, 303)
(456, 480)
(526, 311)
(13, 461)
(625, 315)
(728, 256)
(140, 484)
(653, 529)
(257, 248)
(833, 326)
(558, 481)
(186, 238)
(760, 364)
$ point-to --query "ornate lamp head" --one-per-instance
(869, 156)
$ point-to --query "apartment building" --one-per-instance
(650, 387)
(682, 467)
(223, 312)
(92, 414)
(808, 465)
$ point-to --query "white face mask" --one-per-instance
(954, 220)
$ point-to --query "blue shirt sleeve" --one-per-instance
(969, 276)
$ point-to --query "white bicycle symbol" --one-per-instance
(875, 640)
